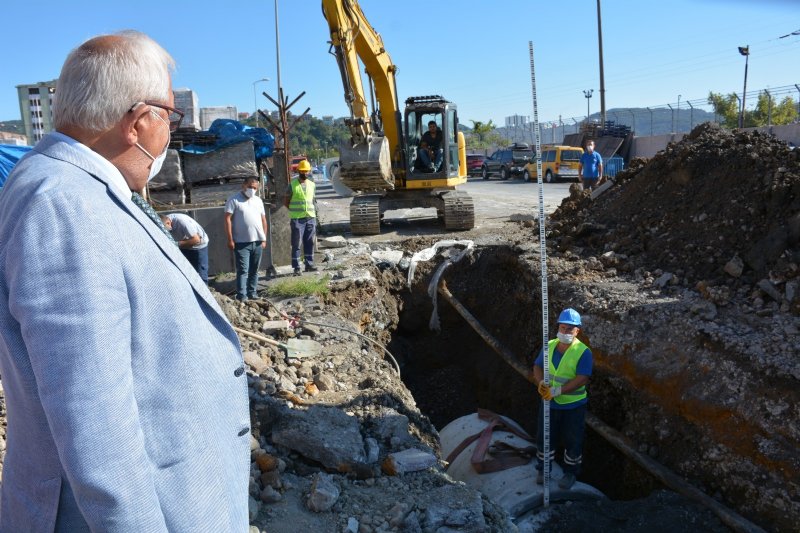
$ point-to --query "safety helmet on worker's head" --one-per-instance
(304, 166)
(569, 316)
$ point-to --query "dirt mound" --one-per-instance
(718, 207)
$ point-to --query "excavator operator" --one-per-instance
(430, 151)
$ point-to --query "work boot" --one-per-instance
(566, 482)
(539, 477)
(311, 268)
(297, 271)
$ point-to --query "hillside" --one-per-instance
(12, 126)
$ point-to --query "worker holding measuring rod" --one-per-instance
(570, 367)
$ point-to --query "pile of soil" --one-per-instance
(719, 208)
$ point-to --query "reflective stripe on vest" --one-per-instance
(567, 370)
(301, 204)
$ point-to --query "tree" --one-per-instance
(727, 107)
(483, 135)
(782, 113)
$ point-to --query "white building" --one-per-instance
(516, 120)
(209, 114)
(35, 108)
(186, 100)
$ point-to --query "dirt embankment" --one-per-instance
(688, 272)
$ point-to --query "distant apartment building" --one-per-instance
(243, 115)
(327, 119)
(516, 120)
(186, 100)
(36, 108)
(209, 114)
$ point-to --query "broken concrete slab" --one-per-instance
(520, 217)
(391, 257)
(410, 460)
(335, 241)
(324, 434)
(271, 327)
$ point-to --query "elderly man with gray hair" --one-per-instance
(123, 380)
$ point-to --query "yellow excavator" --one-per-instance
(380, 163)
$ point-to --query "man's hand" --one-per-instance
(548, 393)
(263, 244)
(231, 244)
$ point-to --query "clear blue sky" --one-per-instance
(473, 52)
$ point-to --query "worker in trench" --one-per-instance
(570, 364)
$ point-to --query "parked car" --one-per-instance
(558, 162)
(474, 164)
(507, 162)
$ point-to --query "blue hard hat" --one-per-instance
(569, 316)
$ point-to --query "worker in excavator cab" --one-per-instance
(570, 363)
(430, 151)
(303, 214)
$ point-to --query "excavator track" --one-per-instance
(459, 211)
(365, 215)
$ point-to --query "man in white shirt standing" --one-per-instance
(192, 240)
(246, 227)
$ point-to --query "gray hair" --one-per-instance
(106, 75)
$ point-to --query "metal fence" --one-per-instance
(673, 117)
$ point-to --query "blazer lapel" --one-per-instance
(53, 147)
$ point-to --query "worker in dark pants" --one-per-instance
(570, 363)
(303, 216)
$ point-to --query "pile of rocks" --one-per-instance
(338, 443)
(718, 211)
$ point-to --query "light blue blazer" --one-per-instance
(126, 397)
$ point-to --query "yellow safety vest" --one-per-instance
(301, 204)
(567, 370)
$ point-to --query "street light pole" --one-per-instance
(255, 101)
(588, 94)
(679, 113)
(745, 51)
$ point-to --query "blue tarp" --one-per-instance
(230, 132)
(9, 155)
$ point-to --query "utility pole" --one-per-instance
(602, 77)
(691, 115)
(679, 112)
(769, 107)
(672, 110)
(745, 51)
(651, 120)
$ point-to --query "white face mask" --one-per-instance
(155, 167)
(249, 192)
(566, 338)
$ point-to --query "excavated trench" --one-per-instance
(454, 372)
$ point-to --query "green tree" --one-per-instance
(483, 135)
(784, 112)
(727, 107)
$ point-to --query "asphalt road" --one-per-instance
(495, 201)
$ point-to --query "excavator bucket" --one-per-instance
(366, 167)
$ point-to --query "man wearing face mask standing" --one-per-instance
(246, 228)
(110, 425)
(570, 367)
(301, 202)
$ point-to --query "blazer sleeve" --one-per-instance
(70, 298)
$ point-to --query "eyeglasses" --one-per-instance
(175, 115)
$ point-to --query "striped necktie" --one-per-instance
(142, 204)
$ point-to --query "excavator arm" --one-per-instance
(366, 164)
